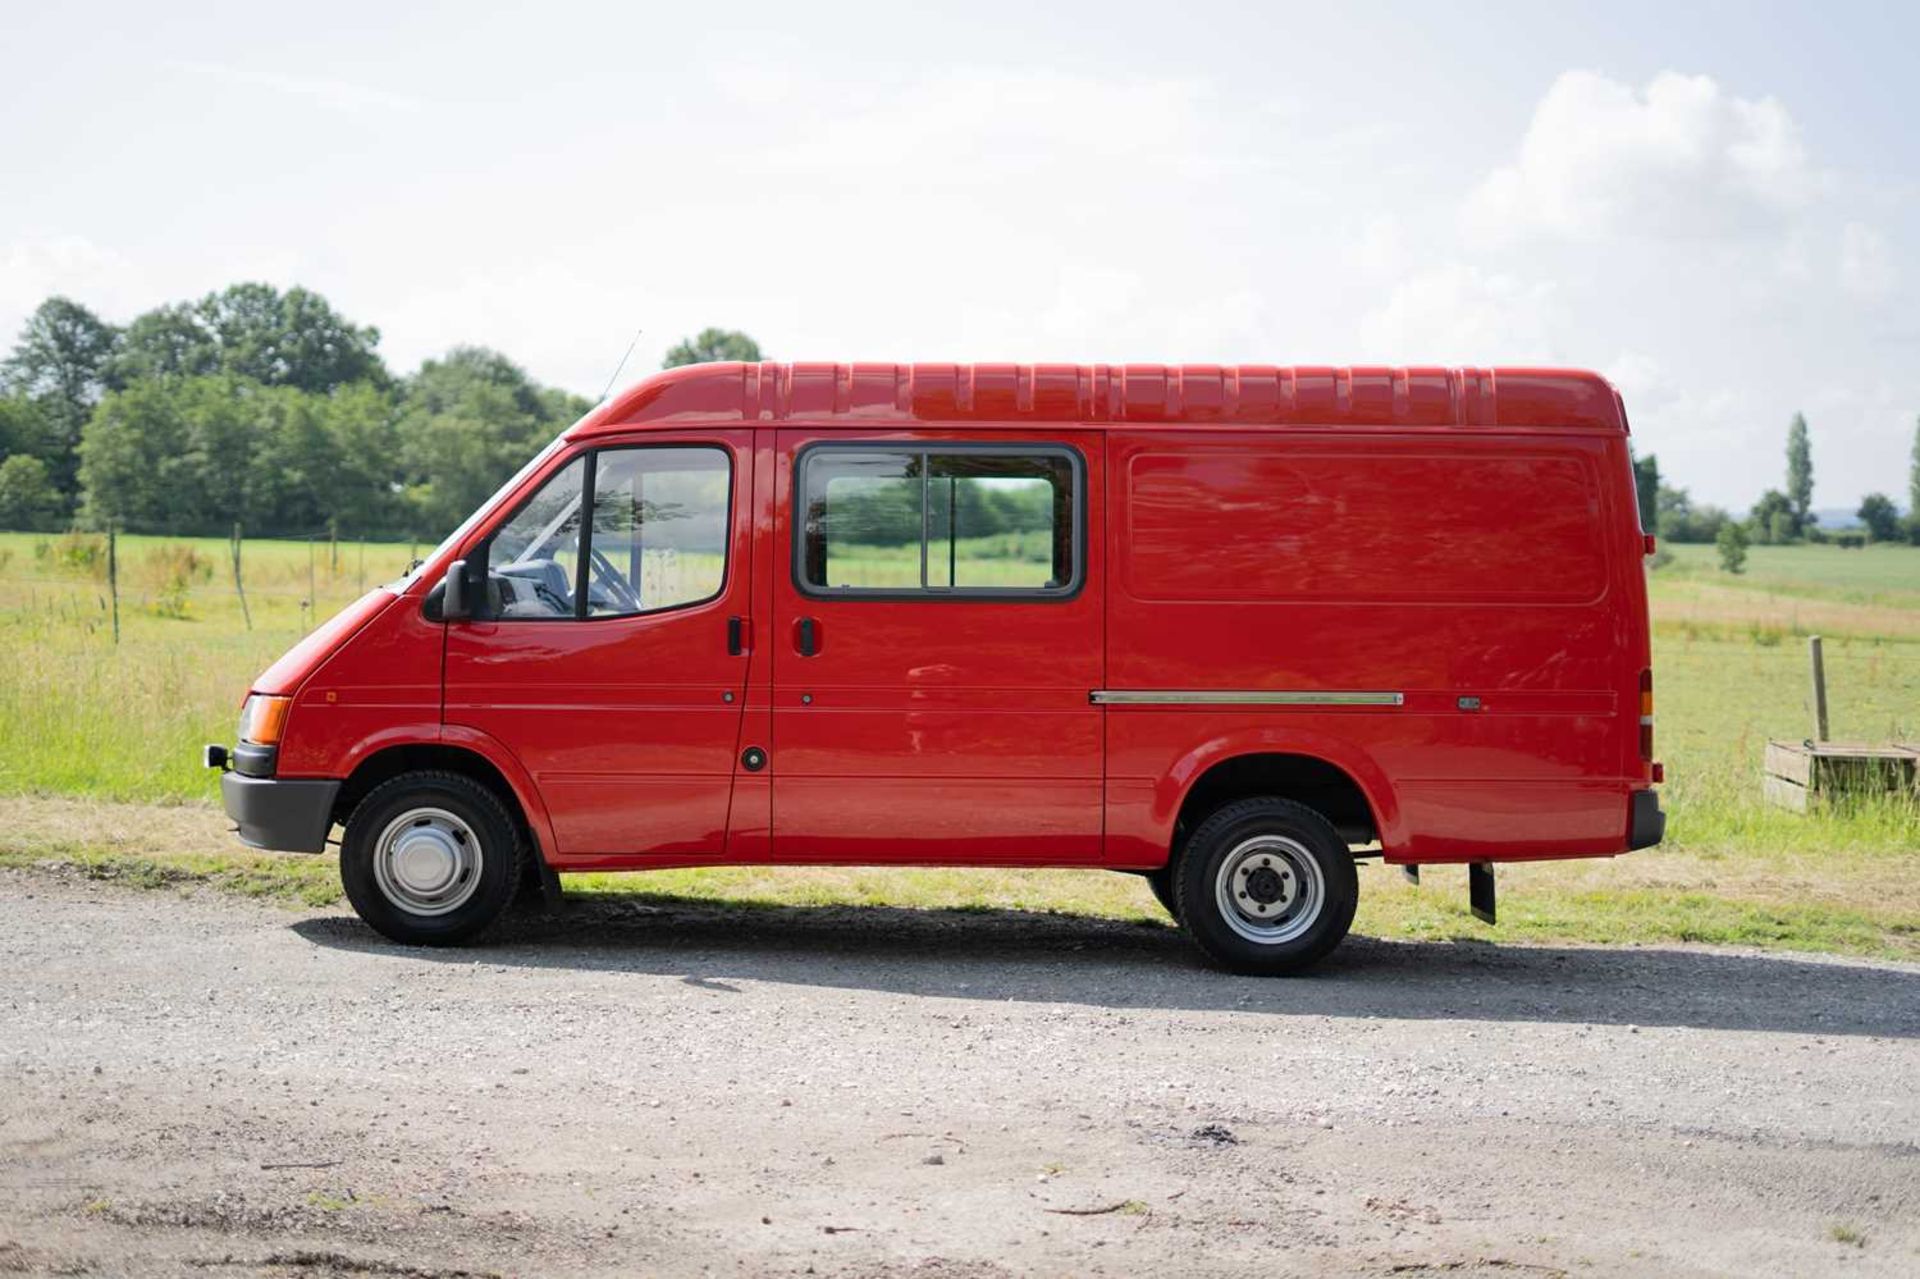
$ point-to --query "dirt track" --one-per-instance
(209, 1087)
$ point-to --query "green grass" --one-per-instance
(154, 847)
(1885, 572)
(80, 717)
(1848, 1233)
(1003, 559)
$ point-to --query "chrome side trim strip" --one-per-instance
(1228, 697)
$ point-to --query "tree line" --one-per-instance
(887, 512)
(266, 408)
(1781, 516)
(271, 409)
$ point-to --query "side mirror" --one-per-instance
(454, 605)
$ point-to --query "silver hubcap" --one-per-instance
(427, 861)
(1270, 889)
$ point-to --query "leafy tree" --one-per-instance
(1732, 545)
(194, 454)
(60, 364)
(468, 422)
(362, 422)
(712, 346)
(1772, 517)
(167, 341)
(252, 331)
(28, 500)
(320, 460)
(1913, 488)
(23, 427)
(1881, 517)
(1677, 519)
(169, 456)
(1646, 488)
(1799, 473)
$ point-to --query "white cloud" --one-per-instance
(1866, 262)
(753, 77)
(1641, 379)
(1457, 313)
(339, 95)
(958, 126)
(31, 271)
(1681, 158)
(1705, 434)
(1380, 252)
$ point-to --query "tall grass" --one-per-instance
(81, 715)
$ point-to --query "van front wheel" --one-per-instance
(1266, 887)
(430, 858)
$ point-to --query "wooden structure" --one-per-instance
(1807, 775)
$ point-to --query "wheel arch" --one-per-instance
(1326, 773)
(469, 754)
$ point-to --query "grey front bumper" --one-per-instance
(288, 815)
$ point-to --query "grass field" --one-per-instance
(88, 727)
(80, 715)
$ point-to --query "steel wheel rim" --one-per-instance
(1269, 889)
(428, 861)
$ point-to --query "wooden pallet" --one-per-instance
(1804, 776)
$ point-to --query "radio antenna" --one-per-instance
(623, 364)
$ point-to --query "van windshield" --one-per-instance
(480, 512)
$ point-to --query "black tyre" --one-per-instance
(1265, 887)
(1161, 882)
(430, 859)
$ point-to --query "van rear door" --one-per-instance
(937, 628)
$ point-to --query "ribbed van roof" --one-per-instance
(1097, 395)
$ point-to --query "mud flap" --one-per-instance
(550, 892)
(539, 885)
(1412, 871)
(1480, 890)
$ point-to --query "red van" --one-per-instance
(1228, 628)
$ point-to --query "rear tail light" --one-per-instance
(1646, 716)
(262, 719)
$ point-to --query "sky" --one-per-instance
(1718, 206)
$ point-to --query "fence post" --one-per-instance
(1819, 670)
(113, 574)
(333, 546)
(238, 589)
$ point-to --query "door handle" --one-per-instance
(736, 636)
(806, 636)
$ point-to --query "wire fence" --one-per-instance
(93, 578)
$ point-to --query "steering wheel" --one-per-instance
(609, 576)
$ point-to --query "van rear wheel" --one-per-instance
(430, 858)
(1266, 887)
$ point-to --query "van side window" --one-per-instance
(659, 528)
(654, 537)
(533, 559)
(939, 521)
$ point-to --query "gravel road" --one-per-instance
(197, 1085)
